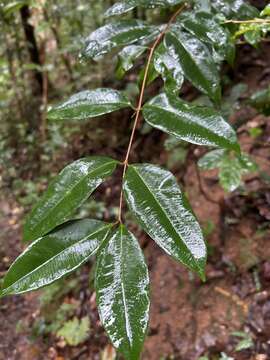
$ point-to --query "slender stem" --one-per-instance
(140, 102)
(254, 21)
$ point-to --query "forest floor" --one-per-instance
(189, 318)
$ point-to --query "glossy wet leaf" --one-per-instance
(195, 124)
(208, 29)
(123, 7)
(57, 254)
(66, 193)
(89, 104)
(122, 287)
(112, 35)
(129, 54)
(166, 63)
(238, 9)
(164, 213)
(196, 61)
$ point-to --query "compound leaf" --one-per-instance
(164, 213)
(195, 124)
(89, 104)
(66, 193)
(122, 286)
(57, 254)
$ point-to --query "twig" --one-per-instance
(253, 21)
(140, 102)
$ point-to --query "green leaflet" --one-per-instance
(129, 54)
(196, 61)
(120, 33)
(122, 287)
(123, 7)
(66, 193)
(238, 9)
(195, 124)
(164, 213)
(57, 254)
(88, 104)
(207, 28)
(166, 63)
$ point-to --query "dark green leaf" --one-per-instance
(164, 213)
(66, 193)
(196, 61)
(124, 6)
(167, 64)
(235, 8)
(121, 33)
(51, 257)
(195, 124)
(122, 286)
(88, 104)
(207, 28)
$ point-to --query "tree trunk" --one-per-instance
(36, 79)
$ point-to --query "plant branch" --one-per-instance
(140, 102)
(254, 21)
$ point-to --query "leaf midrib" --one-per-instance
(209, 88)
(174, 231)
(127, 320)
(152, 106)
(57, 255)
(67, 194)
